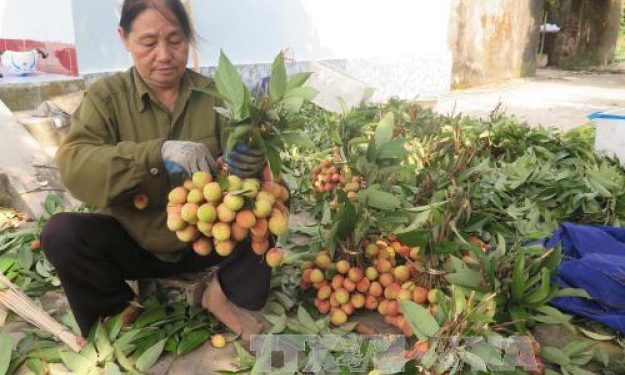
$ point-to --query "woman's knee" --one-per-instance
(59, 235)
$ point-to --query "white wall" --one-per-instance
(97, 42)
(254, 31)
(43, 20)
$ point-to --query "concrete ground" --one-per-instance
(553, 98)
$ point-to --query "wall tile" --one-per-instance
(32, 44)
(73, 58)
(15, 44)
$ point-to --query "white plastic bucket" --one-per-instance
(610, 133)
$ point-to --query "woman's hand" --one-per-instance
(245, 161)
(186, 157)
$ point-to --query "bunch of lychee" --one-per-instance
(330, 177)
(327, 176)
(218, 214)
(343, 288)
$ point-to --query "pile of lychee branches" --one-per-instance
(457, 187)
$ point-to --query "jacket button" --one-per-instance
(154, 171)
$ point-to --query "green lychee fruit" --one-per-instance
(234, 202)
(212, 192)
(207, 213)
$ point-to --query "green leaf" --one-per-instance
(392, 150)
(53, 204)
(362, 228)
(596, 336)
(518, 277)
(297, 139)
(292, 105)
(346, 220)
(277, 82)
(25, 257)
(306, 320)
(247, 103)
(278, 323)
(211, 92)
(430, 357)
(465, 277)
(123, 360)
(150, 356)
(102, 343)
(193, 340)
(421, 321)
(460, 301)
(150, 316)
(573, 348)
(384, 130)
(476, 363)
(244, 370)
(76, 362)
(229, 83)
(555, 355)
(37, 366)
(305, 93)
(236, 134)
(113, 326)
(5, 352)
(275, 307)
(244, 358)
(127, 340)
(298, 80)
(379, 199)
(111, 369)
(582, 359)
(52, 355)
(573, 292)
(6, 263)
(574, 370)
(557, 316)
(274, 161)
(602, 357)
(414, 237)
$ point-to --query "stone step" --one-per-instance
(29, 94)
(29, 171)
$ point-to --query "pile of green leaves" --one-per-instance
(448, 178)
(166, 326)
(25, 267)
(518, 181)
(509, 178)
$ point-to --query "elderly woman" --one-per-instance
(132, 132)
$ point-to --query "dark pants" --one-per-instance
(93, 256)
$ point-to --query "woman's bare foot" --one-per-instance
(130, 313)
(235, 318)
(81, 341)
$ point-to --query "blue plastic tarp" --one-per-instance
(593, 260)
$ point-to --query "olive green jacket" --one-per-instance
(113, 151)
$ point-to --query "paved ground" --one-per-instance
(552, 98)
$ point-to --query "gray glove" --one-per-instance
(245, 161)
(186, 157)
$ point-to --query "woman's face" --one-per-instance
(159, 49)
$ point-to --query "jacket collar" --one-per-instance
(189, 80)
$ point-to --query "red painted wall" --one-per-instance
(61, 59)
